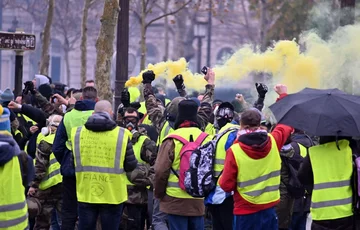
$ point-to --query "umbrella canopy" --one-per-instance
(329, 112)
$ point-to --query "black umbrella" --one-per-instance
(329, 112)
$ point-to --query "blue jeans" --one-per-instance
(159, 218)
(55, 220)
(185, 222)
(263, 220)
(110, 216)
(299, 220)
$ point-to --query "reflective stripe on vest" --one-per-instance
(259, 186)
(74, 119)
(173, 189)
(53, 176)
(13, 207)
(99, 165)
(332, 169)
(165, 130)
(220, 149)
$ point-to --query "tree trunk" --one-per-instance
(143, 35)
(166, 28)
(83, 45)
(263, 25)
(104, 48)
(247, 24)
(45, 56)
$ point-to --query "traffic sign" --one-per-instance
(17, 41)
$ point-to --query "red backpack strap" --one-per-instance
(179, 138)
(201, 138)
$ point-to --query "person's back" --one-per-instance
(184, 211)
(332, 196)
(252, 171)
(101, 152)
(13, 207)
(220, 203)
(62, 151)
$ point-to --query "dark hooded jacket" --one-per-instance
(101, 122)
(62, 154)
(302, 204)
(8, 149)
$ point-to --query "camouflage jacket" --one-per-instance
(42, 163)
(141, 176)
(156, 111)
(42, 103)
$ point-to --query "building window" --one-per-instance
(224, 54)
(55, 60)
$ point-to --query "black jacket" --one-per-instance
(100, 122)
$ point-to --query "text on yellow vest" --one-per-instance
(99, 165)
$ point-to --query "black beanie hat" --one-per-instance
(46, 91)
(187, 111)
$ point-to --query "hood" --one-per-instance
(85, 105)
(8, 148)
(302, 139)
(40, 80)
(172, 108)
(256, 145)
(100, 122)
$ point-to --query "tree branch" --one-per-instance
(167, 14)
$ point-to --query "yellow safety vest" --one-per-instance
(332, 169)
(260, 186)
(99, 165)
(26, 118)
(165, 130)
(220, 154)
(146, 120)
(167, 101)
(137, 152)
(53, 176)
(18, 132)
(39, 138)
(13, 207)
(142, 108)
(74, 119)
(210, 129)
(173, 189)
(303, 150)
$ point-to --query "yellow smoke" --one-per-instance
(317, 64)
(169, 70)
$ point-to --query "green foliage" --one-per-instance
(287, 19)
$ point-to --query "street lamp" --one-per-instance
(200, 30)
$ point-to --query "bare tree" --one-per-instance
(46, 39)
(142, 13)
(104, 48)
(83, 46)
(67, 24)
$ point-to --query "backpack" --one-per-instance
(200, 179)
(185, 154)
(294, 187)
